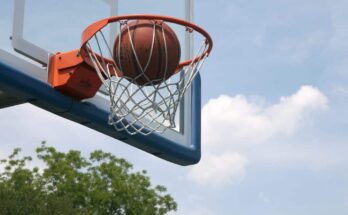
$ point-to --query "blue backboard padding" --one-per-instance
(44, 96)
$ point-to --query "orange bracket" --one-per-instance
(70, 75)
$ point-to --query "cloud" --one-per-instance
(232, 124)
(229, 121)
(216, 170)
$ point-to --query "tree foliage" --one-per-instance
(72, 184)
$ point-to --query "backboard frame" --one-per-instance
(27, 81)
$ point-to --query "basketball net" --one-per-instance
(142, 109)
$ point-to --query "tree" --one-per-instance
(72, 184)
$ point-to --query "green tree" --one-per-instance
(72, 184)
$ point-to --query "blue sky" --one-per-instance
(278, 72)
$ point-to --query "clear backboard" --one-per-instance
(33, 30)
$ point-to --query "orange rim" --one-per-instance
(94, 28)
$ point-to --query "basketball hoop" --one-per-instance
(139, 104)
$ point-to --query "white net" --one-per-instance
(149, 107)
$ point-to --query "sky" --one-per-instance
(274, 121)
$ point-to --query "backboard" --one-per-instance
(32, 30)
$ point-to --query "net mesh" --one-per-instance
(147, 108)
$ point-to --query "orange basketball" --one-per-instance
(151, 67)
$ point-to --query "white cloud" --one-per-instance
(287, 115)
(216, 170)
(231, 124)
(230, 121)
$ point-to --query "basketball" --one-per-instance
(147, 52)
